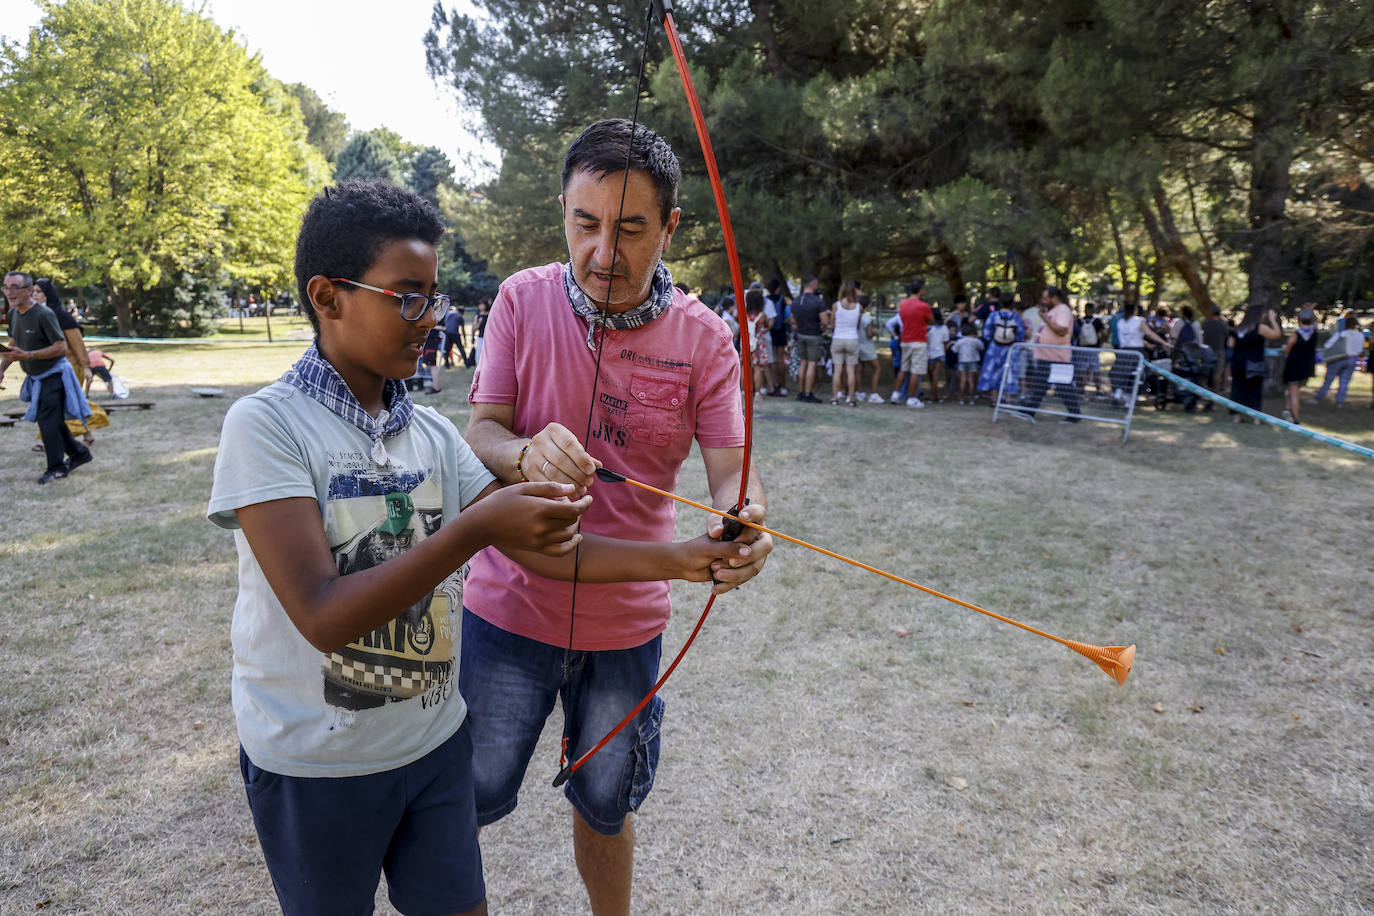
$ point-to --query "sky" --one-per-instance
(365, 59)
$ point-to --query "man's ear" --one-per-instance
(322, 298)
(671, 227)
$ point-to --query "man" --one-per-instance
(1214, 331)
(916, 316)
(991, 303)
(1055, 332)
(666, 373)
(455, 332)
(37, 344)
(810, 320)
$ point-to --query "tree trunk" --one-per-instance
(763, 17)
(124, 312)
(949, 268)
(1129, 290)
(1271, 158)
(1030, 274)
(1170, 249)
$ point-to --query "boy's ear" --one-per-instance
(321, 293)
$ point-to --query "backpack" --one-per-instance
(1087, 333)
(1003, 330)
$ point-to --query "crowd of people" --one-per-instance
(962, 354)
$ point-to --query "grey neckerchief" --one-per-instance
(660, 297)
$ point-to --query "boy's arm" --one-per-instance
(330, 610)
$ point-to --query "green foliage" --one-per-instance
(325, 129)
(367, 156)
(154, 147)
(1114, 146)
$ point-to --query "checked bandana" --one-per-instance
(314, 375)
(660, 297)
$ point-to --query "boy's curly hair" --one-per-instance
(347, 225)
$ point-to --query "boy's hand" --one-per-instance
(751, 549)
(539, 516)
(555, 454)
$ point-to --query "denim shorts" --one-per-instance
(510, 684)
(328, 840)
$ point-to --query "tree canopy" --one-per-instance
(151, 148)
(1204, 150)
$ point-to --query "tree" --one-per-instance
(367, 156)
(325, 129)
(158, 147)
(429, 171)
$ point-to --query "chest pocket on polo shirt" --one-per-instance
(655, 414)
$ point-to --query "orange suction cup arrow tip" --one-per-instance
(1115, 660)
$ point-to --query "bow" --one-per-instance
(663, 10)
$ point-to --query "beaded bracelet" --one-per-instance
(518, 461)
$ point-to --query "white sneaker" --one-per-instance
(784, 391)
(915, 402)
(875, 398)
(896, 397)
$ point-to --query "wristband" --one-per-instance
(518, 461)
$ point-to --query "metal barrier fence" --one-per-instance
(1097, 384)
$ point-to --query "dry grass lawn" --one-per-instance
(834, 742)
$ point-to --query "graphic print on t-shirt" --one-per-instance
(650, 411)
(373, 516)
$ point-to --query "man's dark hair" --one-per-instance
(809, 279)
(915, 286)
(996, 293)
(773, 285)
(604, 148)
(346, 226)
(28, 280)
(1054, 292)
(960, 297)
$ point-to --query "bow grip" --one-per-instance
(731, 525)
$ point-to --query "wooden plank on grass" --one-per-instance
(127, 405)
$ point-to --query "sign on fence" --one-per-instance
(1079, 383)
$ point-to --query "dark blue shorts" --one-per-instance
(328, 840)
(510, 684)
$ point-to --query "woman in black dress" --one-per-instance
(1300, 360)
(1247, 356)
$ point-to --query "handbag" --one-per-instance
(1255, 368)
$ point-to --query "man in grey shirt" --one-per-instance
(811, 320)
(37, 344)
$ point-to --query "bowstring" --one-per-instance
(603, 316)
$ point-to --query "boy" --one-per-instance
(356, 514)
(968, 350)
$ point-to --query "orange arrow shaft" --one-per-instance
(873, 569)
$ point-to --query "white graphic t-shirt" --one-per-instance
(391, 696)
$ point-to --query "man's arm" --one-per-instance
(723, 477)
(553, 454)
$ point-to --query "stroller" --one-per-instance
(1193, 361)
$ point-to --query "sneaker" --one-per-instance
(810, 398)
(78, 460)
(876, 398)
(782, 392)
(914, 402)
(896, 397)
(1288, 415)
(53, 474)
(801, 396)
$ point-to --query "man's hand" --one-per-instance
(752, 548)
(556, 455)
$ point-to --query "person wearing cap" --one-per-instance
(1300, 359)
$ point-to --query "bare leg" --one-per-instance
(606, 864)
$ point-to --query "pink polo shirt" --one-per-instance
(1063, 315)
(662, 385)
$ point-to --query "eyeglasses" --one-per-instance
(11, 288)
(413, 305)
